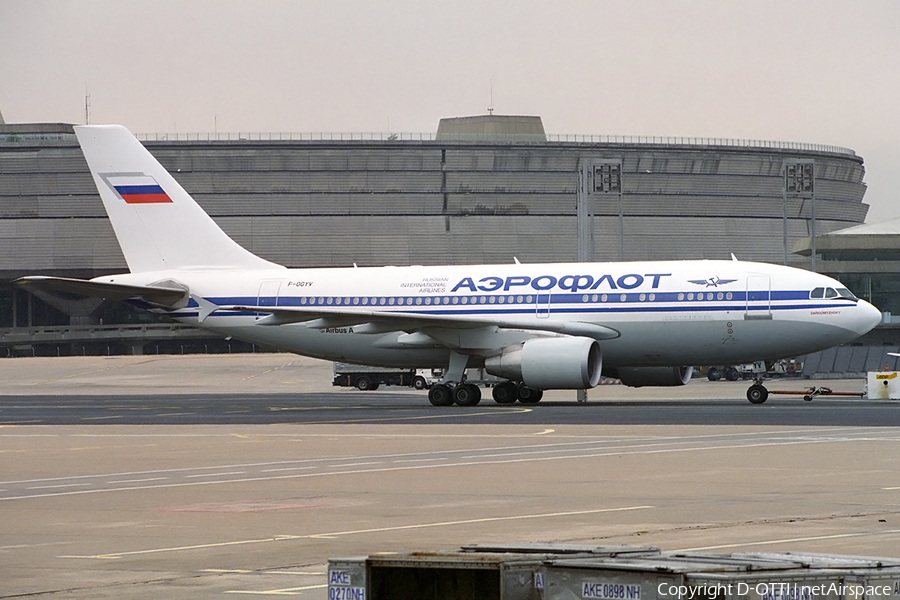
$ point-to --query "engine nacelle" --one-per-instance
(563, 363)
(654, 376)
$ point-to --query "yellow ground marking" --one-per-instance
(430, 417)
(143, 362)
(79, 448)
(267, 371)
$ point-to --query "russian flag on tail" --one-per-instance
(139, 189)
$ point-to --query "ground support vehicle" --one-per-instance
(367, 378)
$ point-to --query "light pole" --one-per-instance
(598, 178)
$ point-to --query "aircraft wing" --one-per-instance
(374, 321)
(170, 297)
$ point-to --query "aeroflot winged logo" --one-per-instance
(713, 281)
(136, 188)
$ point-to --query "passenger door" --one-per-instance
(759, 297)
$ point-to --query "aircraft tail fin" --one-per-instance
(158, 225)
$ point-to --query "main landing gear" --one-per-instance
(453, 390)
(508, 392)
(464, 394)
(467, 394)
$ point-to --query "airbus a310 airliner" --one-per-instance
(537, 326)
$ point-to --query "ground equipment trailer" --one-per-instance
(367, 378)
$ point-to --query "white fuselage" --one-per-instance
(665, 313)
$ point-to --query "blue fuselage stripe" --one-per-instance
(524, 304)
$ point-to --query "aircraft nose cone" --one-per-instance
(867, 317)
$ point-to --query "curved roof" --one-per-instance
(889, 227)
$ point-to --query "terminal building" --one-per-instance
(485, 189)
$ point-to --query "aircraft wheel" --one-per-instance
(365, 383)
(713, 374)
(467, 394)
(527, 395)
(504, 393)
(757, 394)
(419, 382)
(731, 374)
(440, 395)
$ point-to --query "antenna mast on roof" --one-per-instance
(491, 102)
(87, 107)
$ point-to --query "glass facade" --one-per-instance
(880, 289)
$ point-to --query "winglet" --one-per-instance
(733, 257)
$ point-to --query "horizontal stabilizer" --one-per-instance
(168, 297)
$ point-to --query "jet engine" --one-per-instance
(653, 376)
(550, 363)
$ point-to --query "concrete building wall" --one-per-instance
(431, 202)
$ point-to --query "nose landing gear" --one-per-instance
(757, 393)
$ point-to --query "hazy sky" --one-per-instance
(822, 71)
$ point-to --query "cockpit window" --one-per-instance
(845, 293)
(832, 293)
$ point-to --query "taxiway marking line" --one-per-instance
(281, 592)
(280, 538)
(635, 449)
(62, 485)
(138, 480)
(288, 469)
(215, 474)
(228, 571)
(813, 538)
(268, 572)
